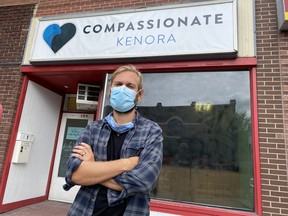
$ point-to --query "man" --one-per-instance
(118, 159)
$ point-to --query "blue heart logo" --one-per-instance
(56, 37)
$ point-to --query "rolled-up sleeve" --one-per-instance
(143, 177)
(73, 164)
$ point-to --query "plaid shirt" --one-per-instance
(145, 140)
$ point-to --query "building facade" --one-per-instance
(214, 79)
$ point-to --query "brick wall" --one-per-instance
(17, 2)
(272, 83)
(14, 22)
(53, 7)
(272, 107)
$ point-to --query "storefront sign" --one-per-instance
(186, 30)
(282, 14)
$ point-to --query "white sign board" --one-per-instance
(185, 30)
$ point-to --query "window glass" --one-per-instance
(73, 129)
(206, 123)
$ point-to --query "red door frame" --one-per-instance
(204, 65)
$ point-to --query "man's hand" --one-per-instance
(83, 152)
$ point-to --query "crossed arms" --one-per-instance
(128, 175)
(91, 172)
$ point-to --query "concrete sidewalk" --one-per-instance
(53, 208)
(46, 208)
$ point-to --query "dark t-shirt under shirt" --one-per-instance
(101, 204)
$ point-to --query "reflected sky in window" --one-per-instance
(181, 89)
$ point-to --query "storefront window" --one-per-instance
(206, 122)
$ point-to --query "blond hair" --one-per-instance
(130, 68)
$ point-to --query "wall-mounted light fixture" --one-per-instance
(282, 14)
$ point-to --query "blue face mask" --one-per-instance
(118, 128)
(122, 99)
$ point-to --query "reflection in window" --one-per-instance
(206, 124)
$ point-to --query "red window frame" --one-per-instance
(204, 65)
(240, 63)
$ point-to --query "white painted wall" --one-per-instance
(39, 117)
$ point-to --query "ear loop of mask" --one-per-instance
(136, 101)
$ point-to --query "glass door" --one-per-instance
(72, 125)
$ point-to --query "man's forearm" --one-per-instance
(112, 185)
(95, 172)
